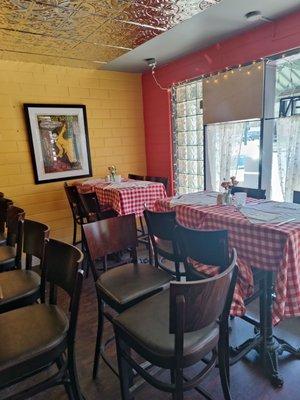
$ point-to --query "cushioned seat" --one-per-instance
(152, 335)
(7, 255)
(27, 334)
(126, 284)
(18, 285)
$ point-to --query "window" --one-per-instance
(233, 149)
(286, 135)
(188, 137)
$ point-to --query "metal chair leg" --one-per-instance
(125, 371)
(99, 337)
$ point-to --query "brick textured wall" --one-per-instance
(268, 39)
(115, 122)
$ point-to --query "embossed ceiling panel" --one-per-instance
(86, 33)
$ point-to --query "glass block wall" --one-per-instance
(188, 137)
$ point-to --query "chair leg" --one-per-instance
(74, 382)
(177, 379)
(99, 337)
(74, 232)
(224, 370)
(125, 371)
(67, 384)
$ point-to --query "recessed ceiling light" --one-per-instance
(100, 62)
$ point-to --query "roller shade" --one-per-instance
(234, 96)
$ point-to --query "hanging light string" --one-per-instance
(168, 89)
(226, 73)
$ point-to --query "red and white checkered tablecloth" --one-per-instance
(127, 200)
(264, 246)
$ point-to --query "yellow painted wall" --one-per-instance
(115, 121)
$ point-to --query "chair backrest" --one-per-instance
(35, 235)
(62, 269)
(4, 204)
(254, 193)
(90, 203)
(195, 305)
(136, 177)
(161, 228)
(205, 247)
(296, 197)
(110, 236)
(74, 201)
(14, 222)
(158, 179)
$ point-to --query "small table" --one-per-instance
(273, 249)
(127, 197)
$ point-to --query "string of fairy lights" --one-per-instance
(216, 76)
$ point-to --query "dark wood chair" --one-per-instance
(159, 179)
(21, 287)
(180, 326)
(4, 204)
(76, 209)
(161, 229)
(11, 252)
(93, 210)
(254, 193)
(123, 286)
(136, 177)
(38, 336)
(296, 197)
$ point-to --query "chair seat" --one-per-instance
(128, 284)
(7, 254)
(18, 285)
(152, 334)
(27, 335)
(2, 238)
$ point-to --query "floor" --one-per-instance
(247, 379)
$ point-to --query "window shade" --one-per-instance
(234, 96)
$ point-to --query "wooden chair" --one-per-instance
(123, 286)
(93, 210)
(161, 228)
(21, 287)
(38, 336)
(181, 326)
(76, 209)
(254, 193)
(136, 177)
(11, 252)
(164, 181)
(4, 204)
(296, 197)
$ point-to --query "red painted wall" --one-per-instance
(270, 38)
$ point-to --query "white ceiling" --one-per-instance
(215, 24)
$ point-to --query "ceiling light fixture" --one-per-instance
(153, 64)
(254, 16)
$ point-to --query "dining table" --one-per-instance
(127, 196)
(266, 236)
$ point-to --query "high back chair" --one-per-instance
(254, 193)
(136, 177)
(296, 197)
(11, 252)
(158, 179)
(4, 204)
(47, 334)
(180, 327)
(21, 287)
(123, 286)
(161, 229)
(93, 210)
(76, 209)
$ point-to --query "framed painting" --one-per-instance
(59, 143)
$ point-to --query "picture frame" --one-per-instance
(59, 141)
